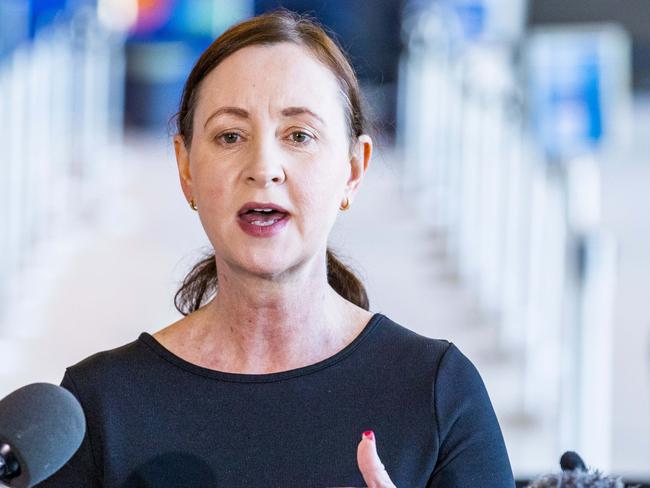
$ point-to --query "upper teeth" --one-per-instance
(263, 209)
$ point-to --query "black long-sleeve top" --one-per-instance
(156, 420)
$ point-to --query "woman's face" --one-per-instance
(270, 127)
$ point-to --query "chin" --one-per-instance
(270, 263)
(266, 266)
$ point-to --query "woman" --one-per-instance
(271, 381)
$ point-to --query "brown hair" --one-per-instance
(279, 26)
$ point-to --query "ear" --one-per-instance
(183, 163)
(359, 161)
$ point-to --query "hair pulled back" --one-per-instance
(272, 28)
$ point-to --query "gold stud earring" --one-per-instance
(345, 205)
(193, 204)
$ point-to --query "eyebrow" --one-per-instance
(290, 111)
(240, 112)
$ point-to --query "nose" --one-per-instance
(265, 165)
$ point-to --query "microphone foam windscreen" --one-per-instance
(571, 460)
(44, 425)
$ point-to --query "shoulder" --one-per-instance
(109, 367)
(451, 371)
(406, 343)
(122, 354)
(436, 362)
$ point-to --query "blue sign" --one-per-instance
(571, 90)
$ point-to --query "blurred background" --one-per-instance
(513, 169)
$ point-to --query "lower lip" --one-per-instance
(263, 230)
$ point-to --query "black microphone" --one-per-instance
(41, 427)
(571, 461)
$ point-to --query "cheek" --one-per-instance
(215, 195)
(319, 198)
(216, 202)
(213, 177)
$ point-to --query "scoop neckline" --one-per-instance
(152, 343)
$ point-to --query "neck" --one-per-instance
(259, 325)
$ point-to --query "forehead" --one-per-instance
(270, 78)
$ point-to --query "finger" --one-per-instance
(372, 469)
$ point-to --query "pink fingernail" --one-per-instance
(369, 434)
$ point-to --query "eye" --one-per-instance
(229, 137)
(300, 137)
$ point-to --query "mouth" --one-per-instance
(262, 214)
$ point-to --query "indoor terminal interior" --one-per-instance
(505, 208)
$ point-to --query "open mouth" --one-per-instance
(262, 217)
